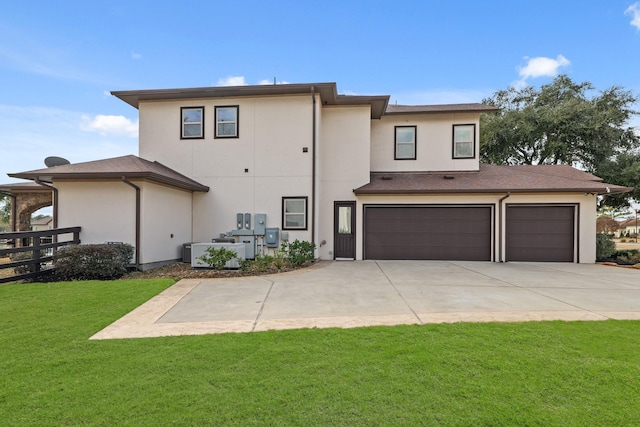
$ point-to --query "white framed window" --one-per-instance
(405, 143)
(192, 119)
(464, 141)
(227, 121)
(294, 213)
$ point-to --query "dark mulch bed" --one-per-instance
(180, 270)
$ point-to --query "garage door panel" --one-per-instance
(540, 233)
(428, 233)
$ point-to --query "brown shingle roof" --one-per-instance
(490, 179)
(444, 108)
(115, 168)
(629, 222)
(23, 186)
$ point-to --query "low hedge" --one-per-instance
(93, 262)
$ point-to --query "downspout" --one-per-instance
(313, 168)
(55, 201)
(500, 225)
(131, 184)
(14, 210)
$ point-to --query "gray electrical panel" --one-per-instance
(260, 224)
(239, 220)
(247, 221)
(272, 237)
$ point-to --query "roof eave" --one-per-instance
(194, 186)
(620, 190)
(328, 94)
(445, 110)
(328, 91)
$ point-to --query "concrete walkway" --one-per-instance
(349, 294)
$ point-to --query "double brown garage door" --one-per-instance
(428, 233)
(536, 233)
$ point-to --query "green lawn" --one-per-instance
(547, 373)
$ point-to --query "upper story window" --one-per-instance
(227, 121)
(464, 141)
(192, 122)
(405, 143)
(294, 213)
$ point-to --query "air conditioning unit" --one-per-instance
(200, 249)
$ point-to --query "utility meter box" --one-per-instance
(272, 237)
(260, 224)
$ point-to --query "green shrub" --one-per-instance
(265, 263)
(627, 257)
(217, 258)
(298, 252)
(605, 247)
(93, 262)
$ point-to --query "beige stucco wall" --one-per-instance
(434, 143)
(586, 224)
(344, 164)
(248, 174)
(104, 209)
(165, 222)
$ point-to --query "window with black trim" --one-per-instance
(192, 123)
(464, 141)
(405, 143)
(227, 121)
(294, 213)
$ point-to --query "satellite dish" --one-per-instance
(55, 161)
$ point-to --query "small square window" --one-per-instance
(464, 141)
(405, 143)
(227, 122)
(294, 213)
(192, 123)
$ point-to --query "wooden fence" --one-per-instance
(41, 244)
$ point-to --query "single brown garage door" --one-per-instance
(540, 233)
(427, 233)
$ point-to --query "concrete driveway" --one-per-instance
(363, 293)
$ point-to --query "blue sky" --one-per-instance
(60, 60)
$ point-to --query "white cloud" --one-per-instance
(232, 81)
(634, 11)
(115, 125)
(241, 81)
(29, 134)
(540, 66)
(135, 55)
(270, 82)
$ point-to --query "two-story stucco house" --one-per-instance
(360, 178)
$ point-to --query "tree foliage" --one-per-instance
(5, 208)
(565, 123)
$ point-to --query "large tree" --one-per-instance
(566, 123)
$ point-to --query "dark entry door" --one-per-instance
(344, 235)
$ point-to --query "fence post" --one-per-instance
(36, 253)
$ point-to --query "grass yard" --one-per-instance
(503, 374)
